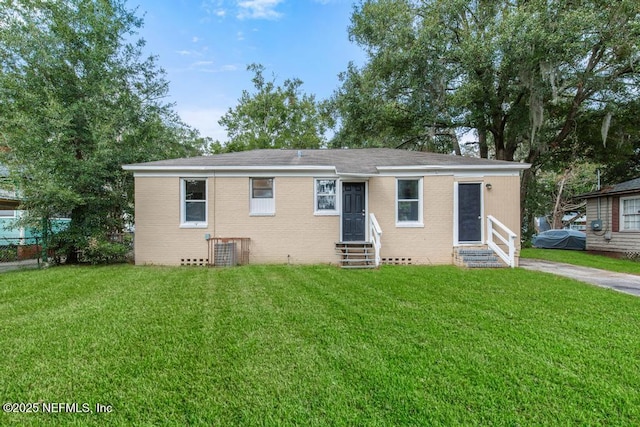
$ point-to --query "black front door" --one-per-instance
(469, 213)
(353, 212)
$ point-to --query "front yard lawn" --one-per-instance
(584, 259)
(281, 345)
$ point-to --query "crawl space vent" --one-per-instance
(396, 261)
(194, 261)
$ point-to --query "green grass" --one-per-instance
(584, 259)
(280, 345)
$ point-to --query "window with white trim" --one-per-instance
(194, 202)
(409, 202)
(262, 196)
(630, 214)
(326, 196)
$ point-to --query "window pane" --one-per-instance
(626, 209)
(262, 188)
(4, 213)
(326, 186)
(408, 189)
(194, 212)
(631, 206)
(631, 214)
(326, 203)
(408, 211)
(195, 189)
(631, 222)
(262, 194)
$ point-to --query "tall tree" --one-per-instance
(554, 193)
(520, 74)
(78, 100)
(274, 117)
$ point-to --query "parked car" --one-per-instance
(560, 239)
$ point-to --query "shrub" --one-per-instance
(8, 253)
(100, 251)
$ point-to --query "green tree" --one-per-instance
(274, 117)
(520, 74)
(554, 193)
(77, 101)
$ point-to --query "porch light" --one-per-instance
(488, 185)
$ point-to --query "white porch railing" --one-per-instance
(375, 235)
(497, 230)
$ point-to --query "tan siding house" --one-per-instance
(613, 219)
(298, 206)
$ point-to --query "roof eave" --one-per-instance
(152, 168)
(607, 194)
(514, 166)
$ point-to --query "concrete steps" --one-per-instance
(477, 258)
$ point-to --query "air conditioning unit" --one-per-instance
(224, 254)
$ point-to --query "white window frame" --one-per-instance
(320, 212)
(262, 206)
(420, 221)
(183, 202)
(622, 214)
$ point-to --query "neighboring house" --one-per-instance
(570, 221)
(15, 242)
(9, 213)
(21, 240)
(613, 218)
(574, 221)
(316, 206)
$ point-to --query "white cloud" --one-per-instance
(229, 67)
(209, 67)
(195, 39)
(258, 9)
(206, 121)
(214, 7)
(221, 69)
(240, 36)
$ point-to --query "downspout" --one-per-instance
(213, 201)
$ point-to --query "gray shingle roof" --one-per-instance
(631, 186)
(345, 161)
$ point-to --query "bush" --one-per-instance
(105, 252)
(8, 253)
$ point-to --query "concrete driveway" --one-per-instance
(18, 265)
(627, 283)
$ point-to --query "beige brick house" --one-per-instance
(354, 207)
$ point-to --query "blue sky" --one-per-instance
(205, 46)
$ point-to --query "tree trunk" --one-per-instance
(72, 255)
(558, 213)
(482, 143)
(528, 178)
(78, 216)
(456, 143)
